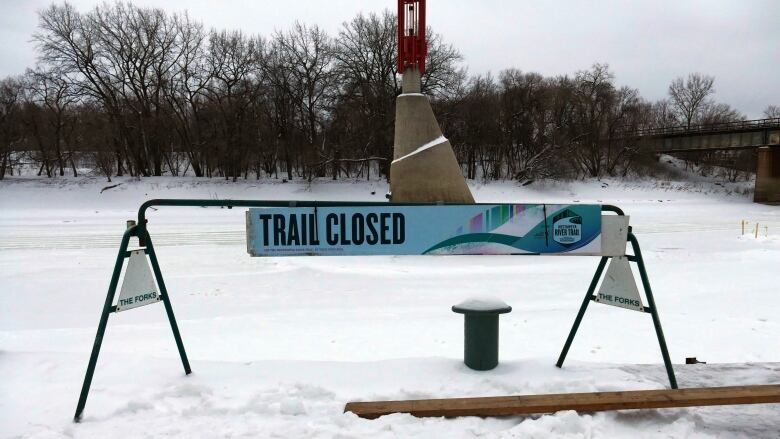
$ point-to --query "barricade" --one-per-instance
(312, 228)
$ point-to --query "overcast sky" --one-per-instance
(647, 43)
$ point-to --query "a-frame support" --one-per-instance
(650, 308)
(108, 308)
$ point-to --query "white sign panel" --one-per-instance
(614, 234)
(619, 287)
(138, 287)
(497, 229)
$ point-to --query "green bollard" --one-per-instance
(481, 332)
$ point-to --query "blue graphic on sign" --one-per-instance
(418, 230)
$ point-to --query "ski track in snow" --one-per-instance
(279, 345)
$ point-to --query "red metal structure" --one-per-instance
(412, 47)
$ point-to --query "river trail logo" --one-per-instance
(567, 228)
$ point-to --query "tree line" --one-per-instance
(127, 90)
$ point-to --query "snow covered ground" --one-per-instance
(279, 345)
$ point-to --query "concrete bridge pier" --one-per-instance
(768, 176)
(424, 167)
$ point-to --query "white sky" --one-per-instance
(647, 43)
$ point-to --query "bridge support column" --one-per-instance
(424, 167)
(768, 176)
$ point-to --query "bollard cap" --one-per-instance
(482, 306)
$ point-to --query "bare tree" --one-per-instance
(283, 104)
(187, 91)
(593, 97)
(526, 144)
(365, 56)
(688, 96)
(142, 48)
(713, 112)
(233, 58)
(10, 130)
(69, 40)
(441, 66)
(772, 111)
(97, 138)
(51, 97)
(625, 112)
(662, 114)
(310, 52)
(481, 131)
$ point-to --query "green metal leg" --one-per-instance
(654, 310)
(167, 301)
(120, 259)
(108, 308)
(581, 313)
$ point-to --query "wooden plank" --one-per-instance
(581, 402)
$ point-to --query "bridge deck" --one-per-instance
(581, 402)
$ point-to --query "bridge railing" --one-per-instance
(708, 128)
